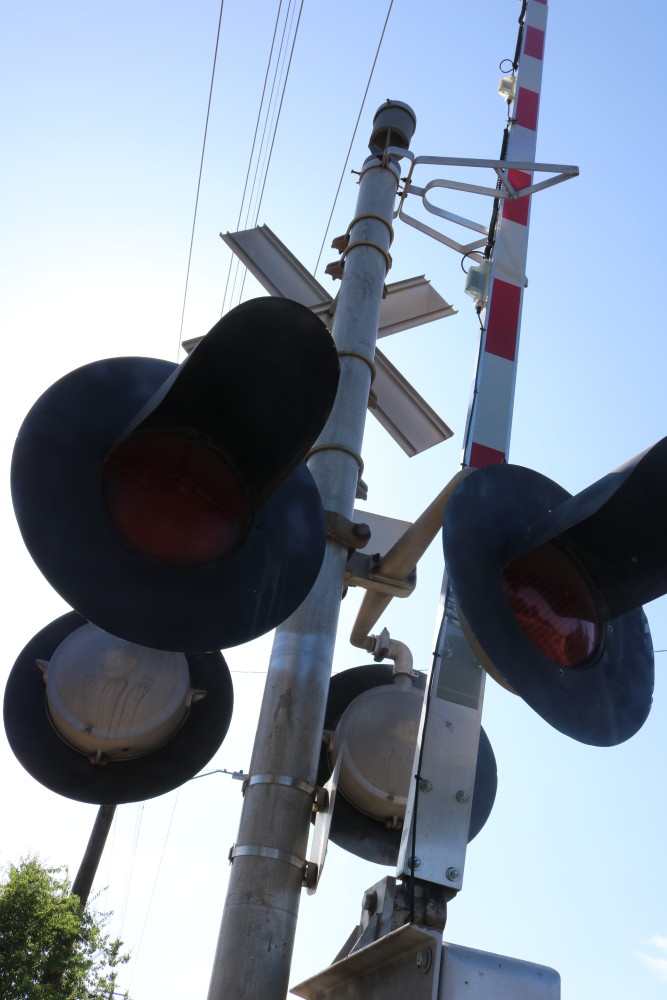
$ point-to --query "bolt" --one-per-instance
(452, 874)
(462, 796)
(414, 863)
(370, 901)
(361, 531)
(424, 960)
(425, 786)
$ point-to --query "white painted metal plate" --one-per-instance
(407, 303)
(402, 965)
(410, 303)
(276, 269)
(385, 531)
(320, 841)
(468, 974)
(450, 738)
(403, 412)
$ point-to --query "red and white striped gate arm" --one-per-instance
(490, 415)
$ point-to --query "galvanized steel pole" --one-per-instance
(254, 951)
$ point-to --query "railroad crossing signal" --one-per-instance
(550, 586)
(371, 728)
(98, 719)
(169, 505)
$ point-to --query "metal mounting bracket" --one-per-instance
(366, 571)
(507, 173)
(349, 534)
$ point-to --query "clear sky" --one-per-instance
(102, 118)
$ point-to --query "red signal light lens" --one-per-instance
(173, 498)
(553, 604)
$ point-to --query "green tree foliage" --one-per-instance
(51, 948)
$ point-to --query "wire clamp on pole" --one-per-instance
(307, 868)
(281, 779)
(339, 447)
(341, 243)
(361, 357)
(367, 243)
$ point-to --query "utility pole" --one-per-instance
(269, 858)
(85, 876)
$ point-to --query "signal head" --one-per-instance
(170, 505)
(548, 587)
(112, 722)
(363, 815)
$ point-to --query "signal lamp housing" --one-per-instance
(170, 505)
(374, 779)
(98, 719)
(549, 588)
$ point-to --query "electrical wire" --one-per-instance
(277, 119)
(490, 243)
(232, 257)
(261, 152)
(522, 21)
(152, 895)
(493, 225)
(270, 122)
(354, 133)
(221, 770)
(270, 106)
(133, 858)
(109, 852)
(201, 167)
(274, 127)
(268, 118)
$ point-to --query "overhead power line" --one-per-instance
(354, 133)
(269, 110)
(252, 151)
(201, 167)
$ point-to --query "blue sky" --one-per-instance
(102, 118)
